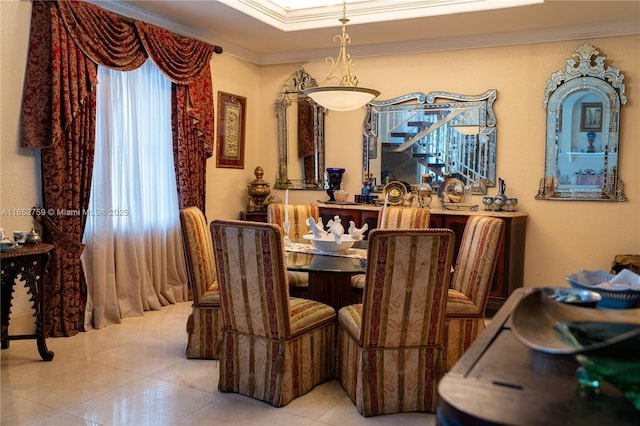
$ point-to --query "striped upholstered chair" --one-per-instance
(298, 215)
(395, 218)
(204, 323)
(274, 347)
(473, 273)
(391, 346)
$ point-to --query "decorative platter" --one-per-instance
(394, 192)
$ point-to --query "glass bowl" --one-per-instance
(624, 374)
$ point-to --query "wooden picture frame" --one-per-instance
(591, 117)
(231, 130)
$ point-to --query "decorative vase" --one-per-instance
(32, 238)
(258, 190)
(500, 199)
(334, 181)
(424, 191)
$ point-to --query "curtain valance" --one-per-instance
(109, 41)
(102, 36)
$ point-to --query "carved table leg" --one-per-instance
(36, 288)
(30, 264)
(7, 296)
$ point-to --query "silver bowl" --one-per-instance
(573, 296)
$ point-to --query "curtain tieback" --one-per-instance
(60, 239)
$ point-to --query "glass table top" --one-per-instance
(324, 263)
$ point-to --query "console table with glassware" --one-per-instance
(29, 263)
(509, 274)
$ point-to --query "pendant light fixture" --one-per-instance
(346, 95)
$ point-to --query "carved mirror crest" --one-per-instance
(440, 134)
(583, 120)
(300, 135)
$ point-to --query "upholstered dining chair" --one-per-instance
(391, 352)
(298, 215)
(204, 322)
(274, 347)
(395, 218)
(471, 282)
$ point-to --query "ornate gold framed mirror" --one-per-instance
(583, 120)
(300, 136)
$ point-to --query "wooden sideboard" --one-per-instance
(254, 216)
(509, 273)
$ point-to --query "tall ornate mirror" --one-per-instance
(300, 136)
(583, 119)
(439, 134)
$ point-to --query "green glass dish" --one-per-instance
(624, 374)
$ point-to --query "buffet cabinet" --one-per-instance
(509, 274)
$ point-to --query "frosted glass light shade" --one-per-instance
(341, 98)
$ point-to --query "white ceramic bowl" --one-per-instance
(328, 243)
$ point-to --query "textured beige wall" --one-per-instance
(19, 167)
(562, 236)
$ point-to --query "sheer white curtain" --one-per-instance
(133, 255)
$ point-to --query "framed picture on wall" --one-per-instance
(591, 118)
(231, 130)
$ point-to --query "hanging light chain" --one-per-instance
(343, 59)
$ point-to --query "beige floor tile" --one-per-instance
(136, 373)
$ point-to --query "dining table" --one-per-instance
(329, 272)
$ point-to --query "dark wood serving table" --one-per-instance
(500, 381)
(30, 263)
(329, 276)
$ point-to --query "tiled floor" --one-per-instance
(136, 373)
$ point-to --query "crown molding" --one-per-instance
(564, 33)
(452, 43)
(363, 13)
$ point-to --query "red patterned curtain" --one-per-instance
(67, 40)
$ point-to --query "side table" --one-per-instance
(30, 263)
(254, 216)
(499, 381)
